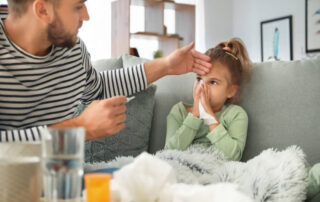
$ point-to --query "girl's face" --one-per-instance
(219, 85)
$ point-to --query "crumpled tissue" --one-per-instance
(207, 118)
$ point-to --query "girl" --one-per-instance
(214, 118)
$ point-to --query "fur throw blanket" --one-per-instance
(271, 176)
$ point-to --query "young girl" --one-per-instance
(214, 118)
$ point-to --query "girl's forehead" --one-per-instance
(219, 71)
(218, 67)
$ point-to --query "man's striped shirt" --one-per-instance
(39, 91)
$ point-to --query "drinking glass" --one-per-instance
(62, 163)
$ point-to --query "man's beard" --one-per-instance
(58, 36)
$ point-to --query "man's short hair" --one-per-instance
(19, 7)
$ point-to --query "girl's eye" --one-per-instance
(199, 78)
(213, 83)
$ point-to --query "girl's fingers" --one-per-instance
(207, 92)
(199, 90)
(205, 98)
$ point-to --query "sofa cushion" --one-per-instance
(134, 138)
(282, 102)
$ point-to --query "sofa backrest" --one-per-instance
(281, 101)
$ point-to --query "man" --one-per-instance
(45, 72)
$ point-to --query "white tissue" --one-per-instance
(207, 118)
(142, 180)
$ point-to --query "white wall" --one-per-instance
(214, 22)
(241, 18)
(249, 13)
(96, 33)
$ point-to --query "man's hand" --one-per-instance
(103, 117)
(100, 119)
(181, 61)
(186, 60)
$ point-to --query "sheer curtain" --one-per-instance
(96, 33)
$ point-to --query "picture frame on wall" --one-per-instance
(312, 26)
(276, 39)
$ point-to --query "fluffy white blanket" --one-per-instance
(271, 176)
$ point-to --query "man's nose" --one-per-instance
(84, 14)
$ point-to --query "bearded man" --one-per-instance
(45, 72)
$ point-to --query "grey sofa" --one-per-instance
(282, 101)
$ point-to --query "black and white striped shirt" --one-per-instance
(39, 91)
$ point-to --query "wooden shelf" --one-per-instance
(157, 35)
(150, 30)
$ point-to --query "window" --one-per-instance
(170, 18)
(96, 33)
(137, 18)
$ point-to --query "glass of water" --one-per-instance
(62, 163)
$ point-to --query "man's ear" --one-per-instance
(43, 10)
(233, 89)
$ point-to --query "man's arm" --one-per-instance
(21, 135)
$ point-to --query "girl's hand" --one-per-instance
(196, 97)
(205, 100)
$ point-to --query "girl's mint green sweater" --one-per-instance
(184, 129)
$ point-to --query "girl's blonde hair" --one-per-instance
(236, 60)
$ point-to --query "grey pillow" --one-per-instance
(134, 138)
